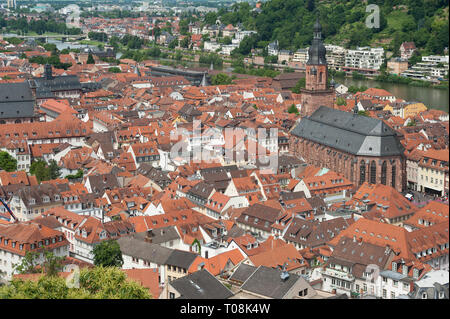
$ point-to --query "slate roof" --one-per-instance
(160, 235)
(200, 285)
(243, 272)
(56, 83)
(267, 282)
(16, 100)
(181, 258)
(349, 132)
(317, 50)
(141, 249)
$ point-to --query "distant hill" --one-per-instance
(290, 22)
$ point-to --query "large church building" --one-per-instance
(361, 148)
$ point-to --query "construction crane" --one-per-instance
(9, 210)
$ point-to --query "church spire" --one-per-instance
(317, 50)
(317, 29)
(355, 108)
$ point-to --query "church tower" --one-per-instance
(316, 92)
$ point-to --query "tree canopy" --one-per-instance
(221, 79)
(44, 171)
(7, 162)
(94, 283)
(343, 22)
(108, 254)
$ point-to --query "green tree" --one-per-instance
(341, 101)
(293, 109)
(55, 170)
(40, 169)
(221, 79)
(114, 69)
(52, 264)
(90, 59)
(30, 263)
(93, 283)
(173, 44)
(411, 123)
(364, 113)
(300, 85)
(108, 254)
(178, 55)
(7, 162)
(185, 42)
(79, 174)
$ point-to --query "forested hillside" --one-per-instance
(290, 22)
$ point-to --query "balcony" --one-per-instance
(338, 274)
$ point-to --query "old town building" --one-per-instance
(316, 91)
(361, 148)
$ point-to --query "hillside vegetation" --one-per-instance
(290, 22)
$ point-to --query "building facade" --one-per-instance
(361, 148)
(316, 91)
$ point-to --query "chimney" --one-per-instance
(354, 238)
(48, 74)
(149, 236)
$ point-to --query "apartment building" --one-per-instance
(301, 55)
(431, 67)
(397, 66)
(365, 58)
(335, 56)
(19, 238)
(433, 172)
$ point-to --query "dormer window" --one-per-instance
(394, 266)
(405, 270)
(45, 199)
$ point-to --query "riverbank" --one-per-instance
(432, 97)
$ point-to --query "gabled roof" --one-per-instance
(351, 133)
(267, 282)
(200, 285)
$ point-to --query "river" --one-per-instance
(431, 97)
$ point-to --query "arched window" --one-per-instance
(362, 172)
(373, 173)
(394, 173)
(383, 172)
